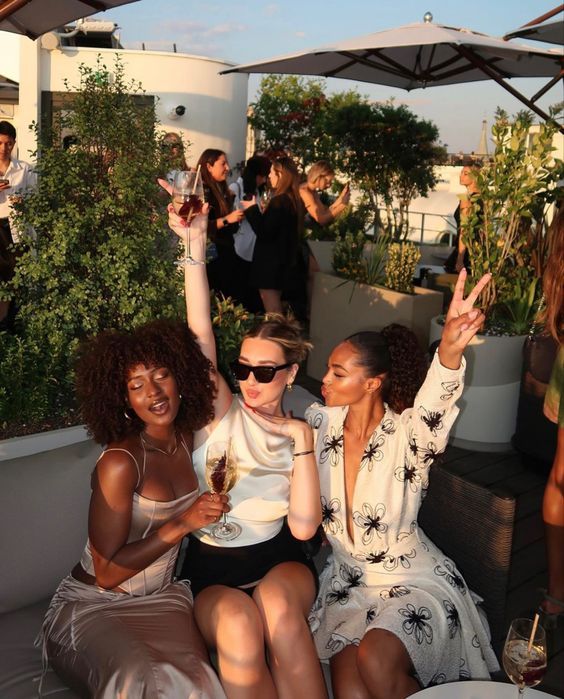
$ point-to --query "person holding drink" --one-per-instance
(118, 626)
(254, 587)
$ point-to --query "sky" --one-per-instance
(250, 30)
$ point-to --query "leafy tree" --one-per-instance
(100, 255)
(389, 153)
(288, 116)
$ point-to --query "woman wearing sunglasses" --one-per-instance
(253, 593)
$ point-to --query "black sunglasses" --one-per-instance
(263, 374)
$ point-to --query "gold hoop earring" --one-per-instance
(126, 414)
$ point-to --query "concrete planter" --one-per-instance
(488, 407)
(341, 307)
(323, 253)
(40, 442)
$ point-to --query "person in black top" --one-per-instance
(226, 271)
(278, 269)
(459, 257)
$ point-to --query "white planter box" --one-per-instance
(341, 308)
(488, 407)
(40, 442)
(323, 253)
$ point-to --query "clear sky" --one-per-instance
(249, 30)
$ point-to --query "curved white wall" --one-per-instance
(215, 104)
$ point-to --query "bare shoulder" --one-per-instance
(120, 461)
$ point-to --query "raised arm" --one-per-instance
(197, 295)
(109, 522)
(324, 215)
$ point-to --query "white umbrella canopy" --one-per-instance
(35, 17)
(545, 28)
(420, 55)
(548, 32)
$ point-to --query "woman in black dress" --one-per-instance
(225, 268)
(278, 269)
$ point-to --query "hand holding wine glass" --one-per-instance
(221, 476)
(524, 653)
(187, 201)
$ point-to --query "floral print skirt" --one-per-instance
(423, 600)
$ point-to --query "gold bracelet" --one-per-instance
(303, 453)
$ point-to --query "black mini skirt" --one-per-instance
(241, 566)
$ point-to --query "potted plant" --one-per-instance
(507, 234)
(371, 286)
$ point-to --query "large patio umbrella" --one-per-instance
(35, 17)
(421, 55)
(548, 28)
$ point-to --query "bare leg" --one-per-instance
(385, 666)
(379, 668)
(230, 622)
(284, 598)
(553, 516)
(345, 677)
(271, 300)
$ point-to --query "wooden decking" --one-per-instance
(524, 479)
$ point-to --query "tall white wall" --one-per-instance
(216, 105)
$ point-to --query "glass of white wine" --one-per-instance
(524, 661)
(221, 476)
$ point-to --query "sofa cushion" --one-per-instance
(20, 662)
(43, 520)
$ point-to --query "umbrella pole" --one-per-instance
(491, 73)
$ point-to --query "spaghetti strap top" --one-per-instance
(146, 516)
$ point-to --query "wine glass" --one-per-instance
(524, 666)
(221, 476)
(187, 201)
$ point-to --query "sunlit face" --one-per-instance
(345, 383)
(325, 181)
(466, 176)
(256, 351)
(274, 177)
(220, 169)
(152, 393)
(6, 147)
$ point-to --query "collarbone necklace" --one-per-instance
(147, 443)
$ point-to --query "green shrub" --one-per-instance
(400, 266)
(100, 255)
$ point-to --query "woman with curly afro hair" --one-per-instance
(118, 625)
(392, 613)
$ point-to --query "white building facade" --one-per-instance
(215, 106)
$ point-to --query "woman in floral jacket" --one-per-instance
(393, 612)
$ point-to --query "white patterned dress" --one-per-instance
(392, 576)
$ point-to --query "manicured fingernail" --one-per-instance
(473, 314)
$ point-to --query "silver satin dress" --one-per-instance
(141, 643)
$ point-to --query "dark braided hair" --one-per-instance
(102, 369)
(395, 352)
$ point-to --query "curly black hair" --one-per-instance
(394, 351)
(103, 363)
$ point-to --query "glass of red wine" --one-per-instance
(187, 201)
(221, 476)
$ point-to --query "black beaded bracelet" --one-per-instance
(303, 453)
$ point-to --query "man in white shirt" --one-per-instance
(15, 177)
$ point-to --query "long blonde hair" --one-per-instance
(552, 314)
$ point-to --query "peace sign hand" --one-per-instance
(462, 321)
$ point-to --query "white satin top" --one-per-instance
(147, 516)
(260, 498)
